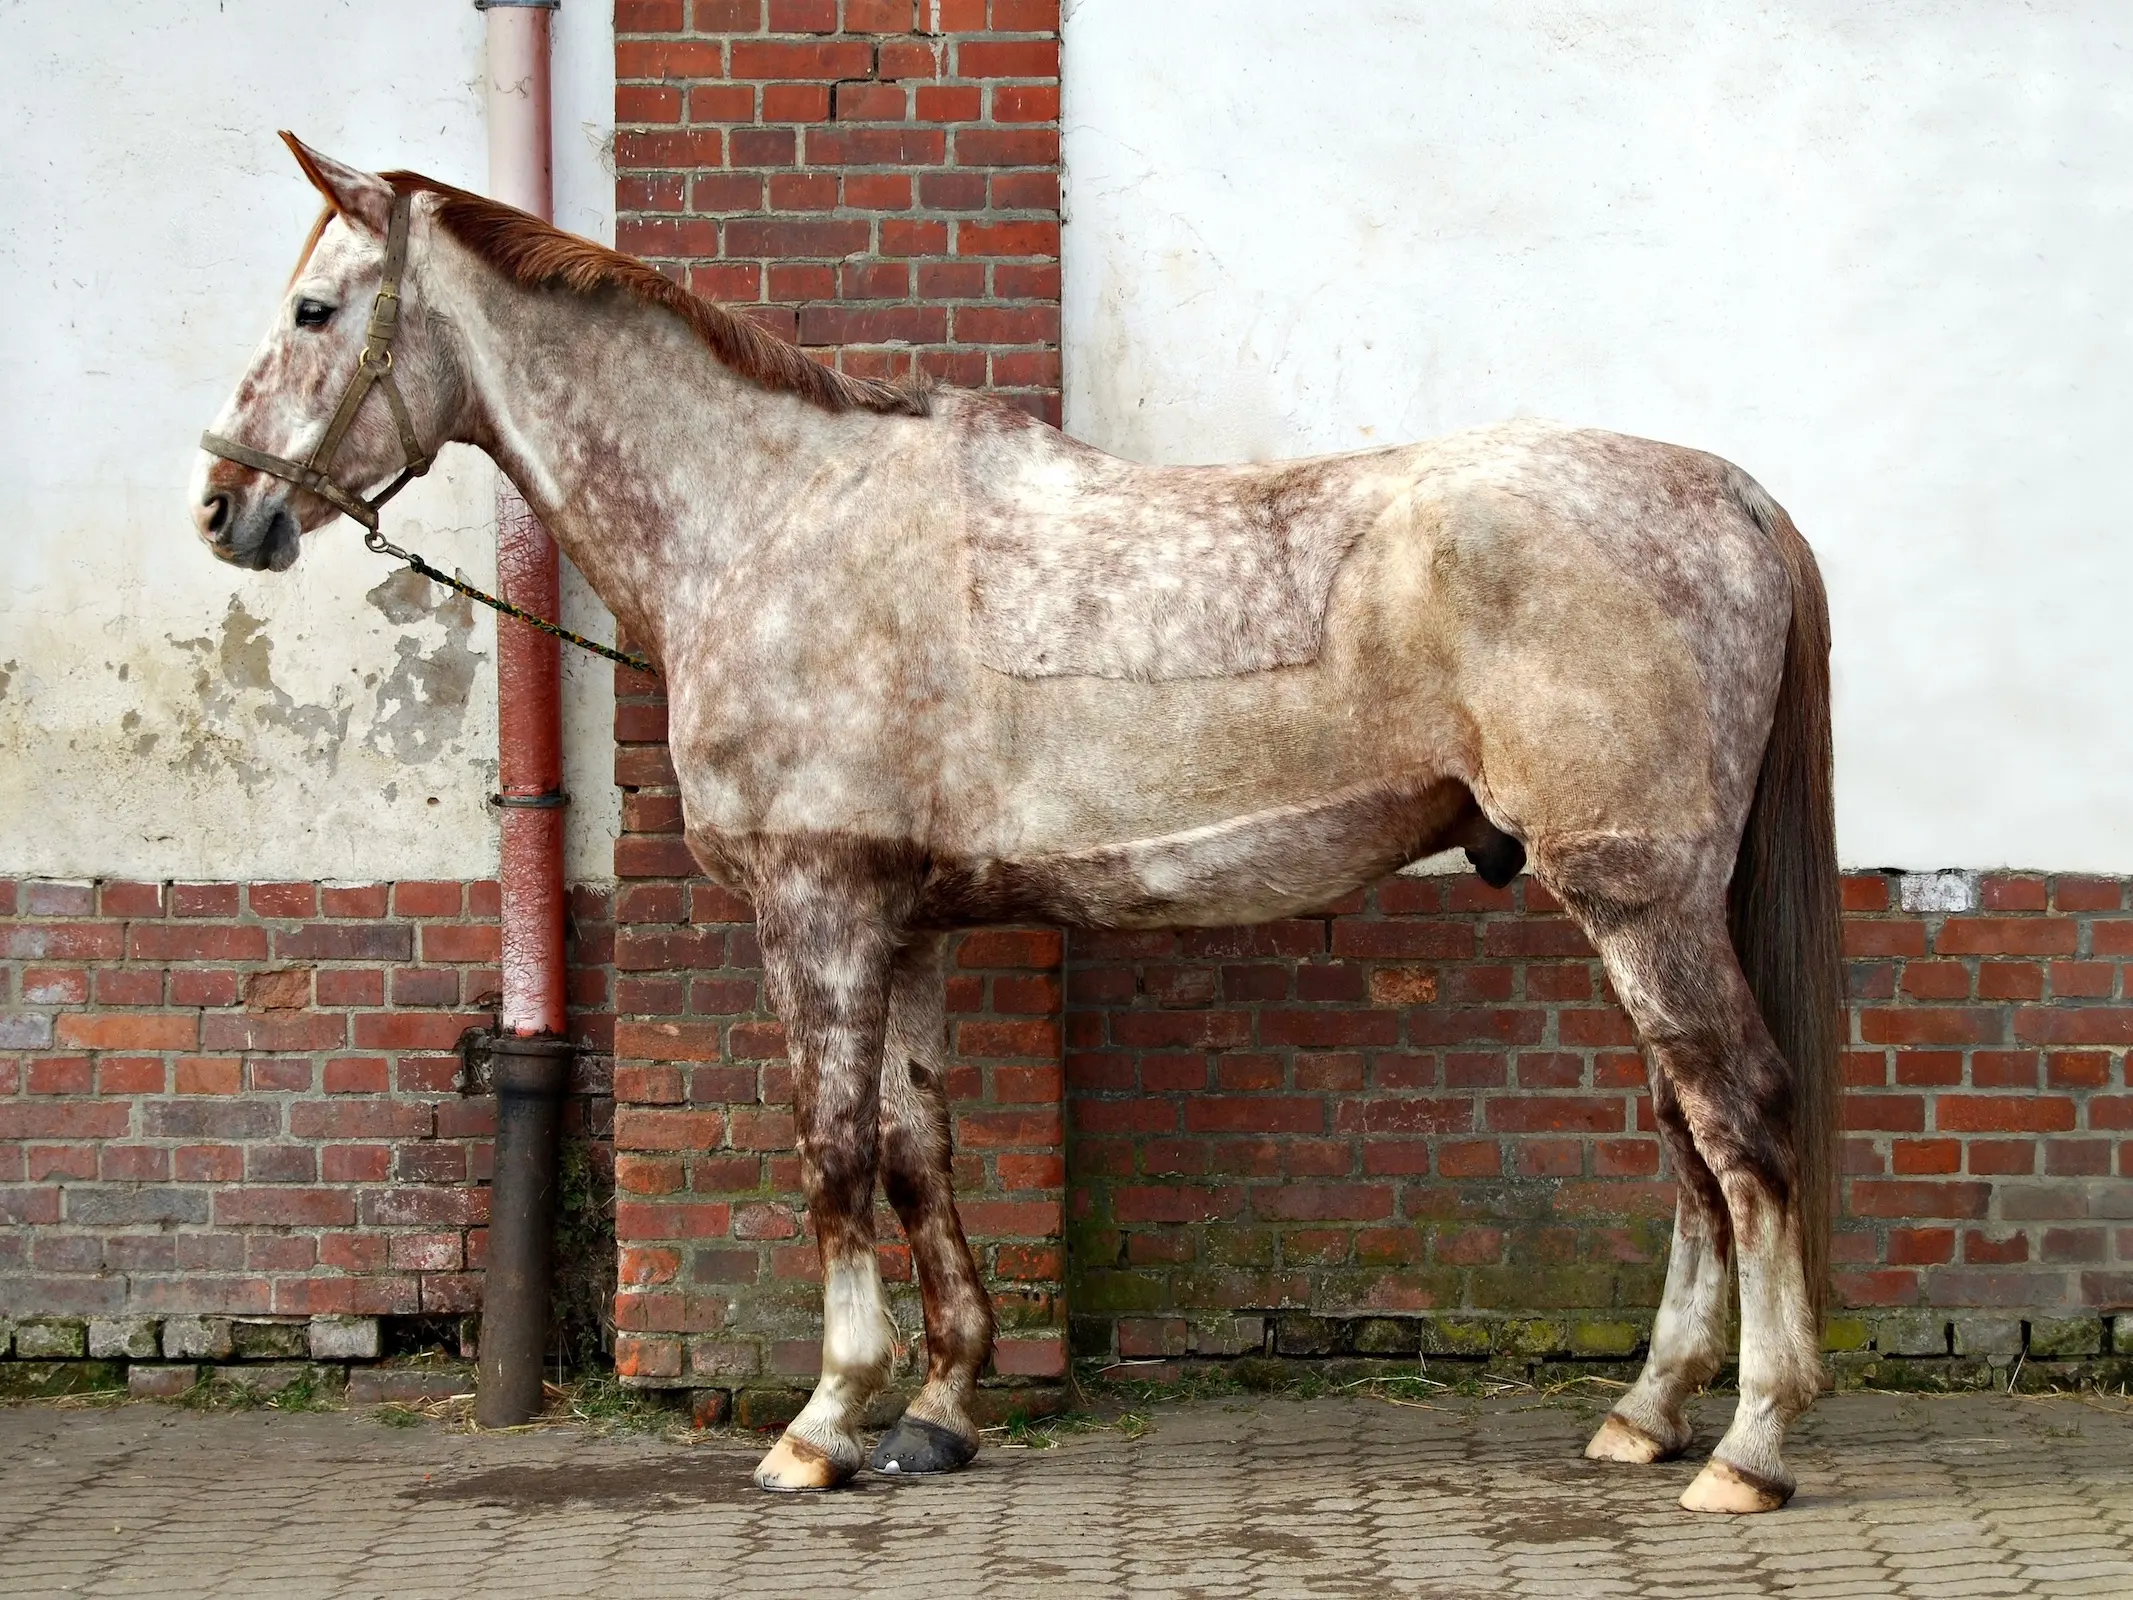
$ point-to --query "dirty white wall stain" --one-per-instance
(163, 715)
(1875, 254)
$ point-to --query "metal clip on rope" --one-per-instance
(385, 547)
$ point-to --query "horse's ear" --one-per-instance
(363, 199)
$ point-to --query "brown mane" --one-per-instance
(531, 252)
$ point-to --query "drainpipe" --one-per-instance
(530, 1059)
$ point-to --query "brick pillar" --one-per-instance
(877, 179)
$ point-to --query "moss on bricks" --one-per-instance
(48, 1380)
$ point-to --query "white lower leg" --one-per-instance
(1780, 1370)
(1688, 1346)
(858, 1350)
(821, 1447)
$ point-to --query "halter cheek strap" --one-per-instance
(374, 369)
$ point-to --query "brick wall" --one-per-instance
(877, 179)
(1428, 1102)
(242, 1098)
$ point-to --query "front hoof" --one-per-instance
(797, 1467)
(916, 1445)
(1625, 1442)
(1724, 1488)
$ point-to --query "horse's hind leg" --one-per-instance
(1689, 1334)
(936, 1434)
(827, 946)
(1673, 965)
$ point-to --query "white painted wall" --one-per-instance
(162, 715)
(1877, 254)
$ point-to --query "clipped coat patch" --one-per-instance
(1099, 567)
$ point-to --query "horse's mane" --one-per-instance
(531, 252)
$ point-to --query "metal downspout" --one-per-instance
(531, 1059)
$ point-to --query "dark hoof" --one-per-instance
(915, 1445)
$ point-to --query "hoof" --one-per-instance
(1625, 1442)
(916, 1445)
(1726, 1489)
(797, 1467)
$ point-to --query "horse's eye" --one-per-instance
(313, 314)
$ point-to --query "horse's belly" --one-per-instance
(1245, 869)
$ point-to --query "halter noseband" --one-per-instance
(374, 368)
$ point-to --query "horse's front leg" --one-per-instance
(937, 1432)
(827, 947)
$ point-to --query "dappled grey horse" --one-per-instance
(930, 663)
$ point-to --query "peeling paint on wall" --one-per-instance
(422, 704)
(234, 680)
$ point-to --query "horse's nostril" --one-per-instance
(218, 514)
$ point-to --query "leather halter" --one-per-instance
(374, 369)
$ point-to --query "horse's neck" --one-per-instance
(646, 459)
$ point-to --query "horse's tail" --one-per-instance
(1785, 905)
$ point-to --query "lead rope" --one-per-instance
(385, 547)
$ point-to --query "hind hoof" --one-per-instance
(1628, 1444)
(1729, 1491)
(796, 1467)
(915, 1445)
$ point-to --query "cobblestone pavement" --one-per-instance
(1973, 1495)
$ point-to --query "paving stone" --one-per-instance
(1901, 1495)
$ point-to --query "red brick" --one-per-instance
(2002, 891)
(1919, 1158)
(116, 899)
(2075, 1025)
(668, 59)
(1038, 190)
(1931, 1025)
(274, 1030)
(1979, 1113)
(204, 899)
(2013, 936)
(1026, 103)
(1555, 1113)
(1010, 239)
(905, 59)
(283, 899)
(152, 1031)
(64, 941)
(208, 1075)
(1001, 58)
(1894, 1198)
(284, 1207)
(2068, 894)
(59, 1075)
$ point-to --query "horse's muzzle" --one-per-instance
(261, 537)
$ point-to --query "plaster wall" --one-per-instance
(1875, 254)
(163, 715)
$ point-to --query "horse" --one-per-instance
(933, 664)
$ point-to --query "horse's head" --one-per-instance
(351, 386)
